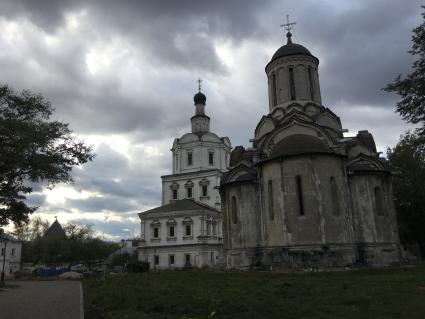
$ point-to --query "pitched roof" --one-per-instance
(180, 205)
(55, 230)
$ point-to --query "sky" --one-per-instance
(123, 75)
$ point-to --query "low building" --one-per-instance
(184, 233)
(11, 250)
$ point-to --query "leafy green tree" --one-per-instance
(407, 159)
(33, 148)
(411, 89)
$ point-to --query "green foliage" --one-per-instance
(407, 159)
(412, 88)
(131, 263)
(391, 293)
(33, 148)
(80, 245)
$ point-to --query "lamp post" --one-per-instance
(3, 237)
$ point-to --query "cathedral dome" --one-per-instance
(199, 98)
(299, 144)
(291, 49)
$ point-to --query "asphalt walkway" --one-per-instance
(41, 300)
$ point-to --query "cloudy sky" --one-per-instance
(123, 74)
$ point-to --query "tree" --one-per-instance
(407, 159)
(412, 88)
(33, 148)
(34, 228)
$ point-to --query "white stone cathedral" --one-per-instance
(186, 230)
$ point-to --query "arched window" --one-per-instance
(274, 89)
(311, 82)
(334, 196)
(299, 190)
(234, 210)
(379, 202)
(271, 204)
(292, 83)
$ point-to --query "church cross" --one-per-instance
(199, 84)
(288, 25)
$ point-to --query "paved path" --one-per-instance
(41, 300)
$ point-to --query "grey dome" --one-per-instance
(291, 49)
(199, 98)
(299, 144)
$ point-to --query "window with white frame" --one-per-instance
(211, 158)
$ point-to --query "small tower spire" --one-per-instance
(288, 27)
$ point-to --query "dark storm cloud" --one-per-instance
(119, 181)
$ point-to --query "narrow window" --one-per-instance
(189, 159)
(211, 158)
(175, 194)
(274, 89)
(187, 259)
(171, 231)
(2, 251)
(292, 83)
(234, 209)
(208, 229)
(188, 230)
(214, 229)
(379, 203)
(299, 190)
(189, 192)
(155, 232)
(13, 252)
(204, 190)
(334, 196)
(212, 256)
(171, 259)
(270, 193)
(156, 260)
(310, 80)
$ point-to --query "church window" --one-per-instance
(379, 203)
(156, 260)
(212, 256)
(189, 159)
(171, 231)
(204, 190)
(311, 82)
(210, 158)
(187, 259)
(299, 190)
(292, 83)
(175, 194)
(270, 193)
(13, 252)
(2, 251)
(189, 192)
(234, 210)
(188, 230)
(214, 228)
(208, 228)
(274, 94)
(171, 260)
(334, 196)
(156, 232)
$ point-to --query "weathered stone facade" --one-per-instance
(304, 195)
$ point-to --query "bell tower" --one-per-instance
(200, 121)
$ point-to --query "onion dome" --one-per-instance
(199, 98)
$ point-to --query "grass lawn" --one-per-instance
(371, 294)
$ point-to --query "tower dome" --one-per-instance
(199, 98)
